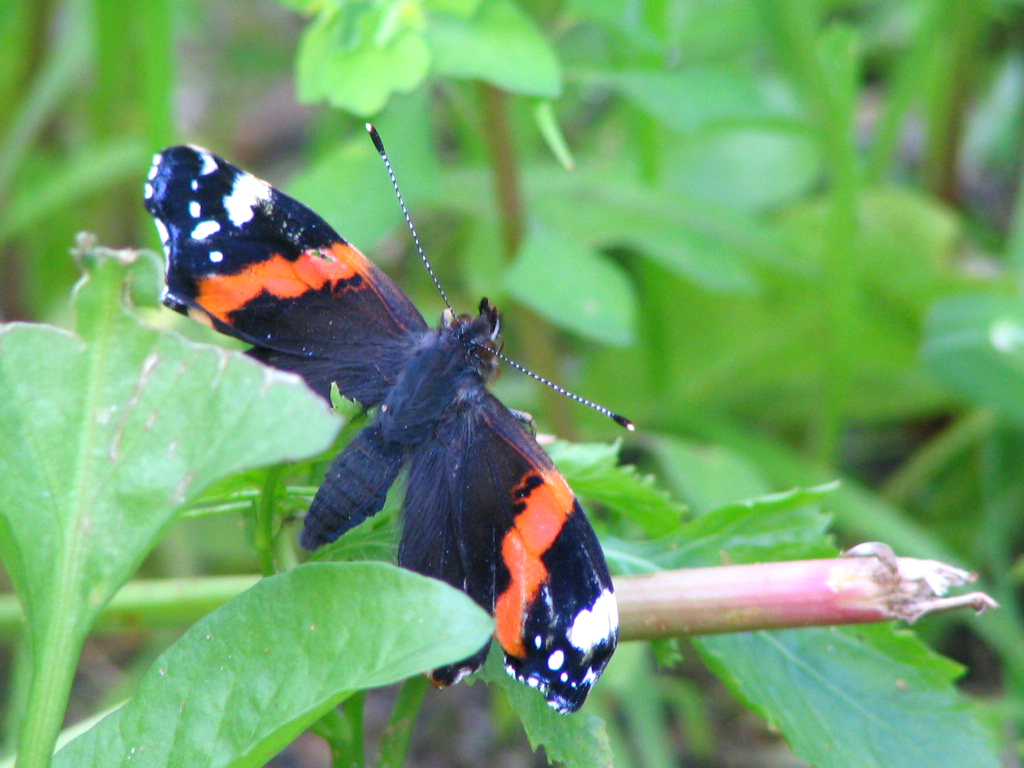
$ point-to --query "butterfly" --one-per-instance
(485, 509)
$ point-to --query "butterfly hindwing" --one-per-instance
(487, 512)
(257, 264)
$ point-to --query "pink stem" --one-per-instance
(873, 585)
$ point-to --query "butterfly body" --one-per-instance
(485, 509)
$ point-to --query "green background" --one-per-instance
(781, 236)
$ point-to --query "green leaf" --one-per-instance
(975, 344)
(248, 678)
(747, 167)
(773, 527)
(355, 57)
(593, 471)
(866, 696)
(714, 246)
(308, 7)
(578, 740)
(601, 304)
(500, 45)
(691, 99)
(106, 435)
(547, 122)
(461, 8)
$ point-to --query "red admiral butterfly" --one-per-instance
(485, 509)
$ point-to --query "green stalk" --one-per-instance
(542, 348)
(824, 67)
(266, 522)
(54, 661)
(909, 82)
(964, 24)
(394, 742)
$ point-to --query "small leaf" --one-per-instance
(774, 527)
(355, 57)
(248, 678)
(578, 740)
(593, 471)
(500, 45)
(544, 114)
(574, 287)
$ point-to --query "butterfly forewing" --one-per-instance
(259, 265)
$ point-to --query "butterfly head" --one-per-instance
(480, 334)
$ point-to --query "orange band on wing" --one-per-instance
(220, 295)
(547, 507)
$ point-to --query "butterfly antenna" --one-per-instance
(620, 420)
(375, 137)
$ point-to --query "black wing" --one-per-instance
(486, 511)
(260, 266)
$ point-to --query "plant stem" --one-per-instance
(965, 21)
(739, 598)
(541, 348)
(52, 675)
(665, 604)
(825, 69)
(394, 742)
(150, 603)
(907, 84)
(266, 522)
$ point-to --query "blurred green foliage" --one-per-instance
(782, 236)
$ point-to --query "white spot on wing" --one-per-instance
(194, 209)
(148, 190)
(155, 167)
(595, 625)
(204, 229)
(209, 164)
(556, 660)
(216, 257)
(246, 193)
(165, 236)
(194, 184)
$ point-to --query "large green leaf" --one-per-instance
(870, 696)
(578, 740)
(593, 471)
(245, 680)
(107, 434)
